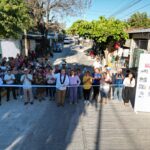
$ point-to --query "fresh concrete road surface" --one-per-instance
(44, 126)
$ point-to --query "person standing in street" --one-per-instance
(80, 88)
(1, 83)
(50, 79)
(62, 81)
(105, 87)
(26, 80)
(119, 77)
(74, 82)
(9, 79)
(96, 83)
(87, 84)
(129, 84)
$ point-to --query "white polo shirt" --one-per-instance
(59, 85)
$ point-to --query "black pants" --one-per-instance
(127, 94)
(95, 92)
(9, 89)
(86, 94)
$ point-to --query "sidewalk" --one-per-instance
(109, 127)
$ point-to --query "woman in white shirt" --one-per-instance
(129, 84)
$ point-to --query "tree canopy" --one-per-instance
(15, 18)
(139, 20)
(101, 31)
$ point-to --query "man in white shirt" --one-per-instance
(9, 78)
(26, 80)
(62, 81)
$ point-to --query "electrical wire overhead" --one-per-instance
(126, 7)
(147, 5)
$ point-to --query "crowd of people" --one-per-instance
(40, 79)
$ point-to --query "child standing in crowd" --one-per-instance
(87, 84)
(74, 82)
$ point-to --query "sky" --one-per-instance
(108, 8)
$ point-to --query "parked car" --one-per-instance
(59, 47)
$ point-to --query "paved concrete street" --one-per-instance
(44, 126)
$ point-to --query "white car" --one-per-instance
(67, 40)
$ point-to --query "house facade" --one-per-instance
(139, 42)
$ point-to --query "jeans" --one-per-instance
(73, 94)
(118, 93)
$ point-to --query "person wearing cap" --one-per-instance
(26, 80)
(63, 65)
(9, 79)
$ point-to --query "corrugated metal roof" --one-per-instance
(140, 31)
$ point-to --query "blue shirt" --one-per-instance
(96, 81)
(119, 81)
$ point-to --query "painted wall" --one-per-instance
(10, 48)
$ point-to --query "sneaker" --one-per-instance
(85, 101)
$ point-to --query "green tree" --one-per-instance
(15, 18)
(102, 31)
(139, 20)
(81, 28)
